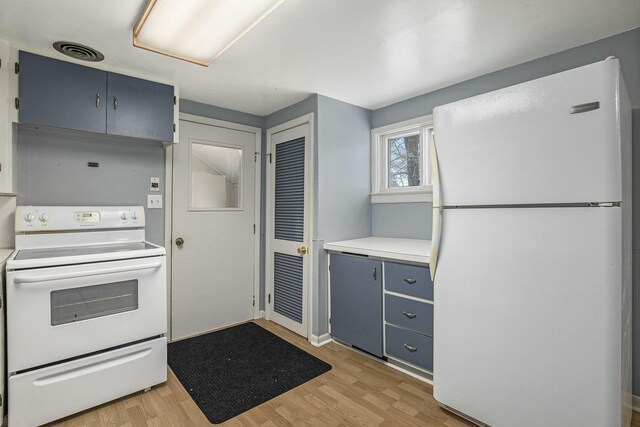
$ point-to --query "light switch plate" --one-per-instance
(154, 201)
(154, 184)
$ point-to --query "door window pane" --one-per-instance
(404, 161)
(76, 304)
(216, 175)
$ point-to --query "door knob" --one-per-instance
(179, 241)
(302, 250)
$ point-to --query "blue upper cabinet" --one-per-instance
(65, 95)
(139, 108)
(61, 94)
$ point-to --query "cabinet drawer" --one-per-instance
(409, 346)
(66, 388)
(408, 279)
(408, 313)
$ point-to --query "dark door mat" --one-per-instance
(233, 370)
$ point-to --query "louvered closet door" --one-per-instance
(287, 258)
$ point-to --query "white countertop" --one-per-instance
(411, 250)
(4, 254)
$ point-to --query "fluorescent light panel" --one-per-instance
(198, 31)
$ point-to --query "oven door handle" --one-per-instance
(51, 277)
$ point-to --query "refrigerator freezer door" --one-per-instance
(522, 144)
(527, 316)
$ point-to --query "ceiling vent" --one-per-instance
(78, 51)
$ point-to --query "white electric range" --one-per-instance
(86, 310)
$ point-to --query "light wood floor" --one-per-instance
(357, 391)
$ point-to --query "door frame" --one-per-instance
(308, 303)
(169, 207)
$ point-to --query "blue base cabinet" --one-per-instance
(384, 308)
(408, 314)
(71, 96)
(356, 302)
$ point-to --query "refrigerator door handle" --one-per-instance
(436, 232)
(435, 172)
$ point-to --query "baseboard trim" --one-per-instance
(319, 341)
(635, 403)
(261, 314)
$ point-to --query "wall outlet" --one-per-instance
(154, 201)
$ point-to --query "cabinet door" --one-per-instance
(356, 302)
(139, 108)
(61, 94)
(6, 137)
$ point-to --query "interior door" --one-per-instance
(288, 239)
(213, 253)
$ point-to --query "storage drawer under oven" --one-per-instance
(43, 395)
(62, 312)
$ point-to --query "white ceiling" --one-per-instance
(366, 52)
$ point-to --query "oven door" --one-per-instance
(58, 313)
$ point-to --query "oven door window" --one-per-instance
(89, 302)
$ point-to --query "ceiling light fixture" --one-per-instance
(198, 31)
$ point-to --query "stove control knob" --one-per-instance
(29, 217)
(123, 216)
(133, 215)
(44, 217)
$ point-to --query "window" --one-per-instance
(216, 174)
(400, 164)
(89, 302)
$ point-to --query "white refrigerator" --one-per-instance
(532, 252)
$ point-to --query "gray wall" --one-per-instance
(626, 46)
(402, 220)
(344, 210)
(52, 170)
(219, 113)
(343, 146)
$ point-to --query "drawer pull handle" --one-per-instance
(410, 280)
(409, 315)
(411, 348)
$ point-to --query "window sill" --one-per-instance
(405, 197)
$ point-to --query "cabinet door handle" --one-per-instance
(411, 348)
(115, 102)
(375, 273)
(409, 315)
(97, 100)
(410, 280)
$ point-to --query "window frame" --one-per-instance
(380, 190)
